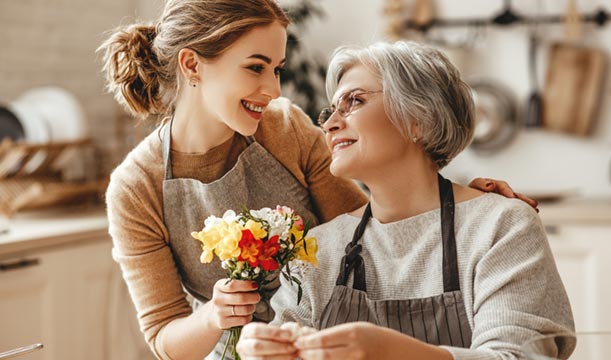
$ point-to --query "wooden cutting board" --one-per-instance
(573, 88)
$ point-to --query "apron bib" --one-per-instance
(257, 180)
(438, 320)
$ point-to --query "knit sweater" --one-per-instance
(508, 277)
(135, 204)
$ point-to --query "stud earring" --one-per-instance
(415, 139)
(193, 82)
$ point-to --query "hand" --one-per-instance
(233, 302)
(502, 188)
(264, 341)
(357, 340)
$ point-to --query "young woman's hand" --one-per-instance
(233, 302)
(502, 188)
(264, 341)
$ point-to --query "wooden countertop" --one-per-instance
(577, 211)
(40, 229)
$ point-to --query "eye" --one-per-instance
(258, 68)
(279, 71)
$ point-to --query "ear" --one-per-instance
(188, 62)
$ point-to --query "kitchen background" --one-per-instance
(52, 43)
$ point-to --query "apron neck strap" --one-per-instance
(353, 260)
(166, 144)
(450, 262)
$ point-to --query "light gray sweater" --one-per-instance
(508, 277)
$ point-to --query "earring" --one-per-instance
(415, 139)
(193, 82)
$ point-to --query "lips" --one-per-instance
(254, 109)
(340, 144)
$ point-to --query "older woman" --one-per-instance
(427, 269)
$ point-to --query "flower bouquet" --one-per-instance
(257, 245)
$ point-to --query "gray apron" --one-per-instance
(439, 320)
(257, 180)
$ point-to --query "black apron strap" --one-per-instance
(450, 261)
(166, 144)
(353, 259)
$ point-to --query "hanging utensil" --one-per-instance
(534, 107)
(572, 25)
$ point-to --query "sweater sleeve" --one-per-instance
(139, 246)
(518, 293)
(332, 196)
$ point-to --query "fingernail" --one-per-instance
(255, 285)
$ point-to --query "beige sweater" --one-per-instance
(509, 281)
(134, 202)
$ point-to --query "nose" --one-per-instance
(334, 122)
(271, 86)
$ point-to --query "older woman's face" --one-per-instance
(364, 143)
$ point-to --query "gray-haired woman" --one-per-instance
(428, 269)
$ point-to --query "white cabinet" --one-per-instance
(72, 299)
(583, 256)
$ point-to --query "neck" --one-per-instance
(196, 131)
(403, 191)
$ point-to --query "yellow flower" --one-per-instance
(256, 229)
(222, 239)
(295, 231)
(310, 255)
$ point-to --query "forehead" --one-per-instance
(358, 76)
(268, 40)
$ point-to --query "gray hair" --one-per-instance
(421, 88)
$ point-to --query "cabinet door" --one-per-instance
(582, 255)
(29, 292)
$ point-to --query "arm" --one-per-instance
(149, 270)
(514, 279)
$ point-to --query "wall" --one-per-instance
(537, 161)
(53, 42)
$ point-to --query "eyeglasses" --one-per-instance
(345, 105)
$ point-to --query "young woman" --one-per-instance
(428, 269)
(210, 69)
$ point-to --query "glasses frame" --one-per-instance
(327, 112)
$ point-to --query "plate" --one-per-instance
(60, 110)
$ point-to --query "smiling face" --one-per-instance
(236, 87)
(364, 143)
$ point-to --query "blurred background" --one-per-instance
(539, 70)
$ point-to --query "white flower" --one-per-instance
(245, 274)
(211, 222)
(229, 216)
(257, 270)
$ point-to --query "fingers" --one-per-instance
(332, 353)
(529, 201)
(490, 185)
(262, 341)
(234, 302)
(230, 286)
(486, 185)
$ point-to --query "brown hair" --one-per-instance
(141, 61)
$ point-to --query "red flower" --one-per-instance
(250, 248)
(269, 250)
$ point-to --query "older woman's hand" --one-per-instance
(502, 188)
(263, 341)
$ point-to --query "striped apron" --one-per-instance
(257, 180)
(438, 320)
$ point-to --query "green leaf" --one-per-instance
(299, 294)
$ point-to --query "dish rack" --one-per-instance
(31, 176)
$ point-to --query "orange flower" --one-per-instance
(250, 248)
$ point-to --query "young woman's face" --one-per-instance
(364, 143)
(237, 86)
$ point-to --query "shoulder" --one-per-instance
(284, 117)
(332, 234)
(140, 173)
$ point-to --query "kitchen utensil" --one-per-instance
(573, 88)
(496, 120)
(423, 12)
(572, 24)
(20, 351)
(534, 107)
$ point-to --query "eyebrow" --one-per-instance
(348, 92)
(264, 58)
